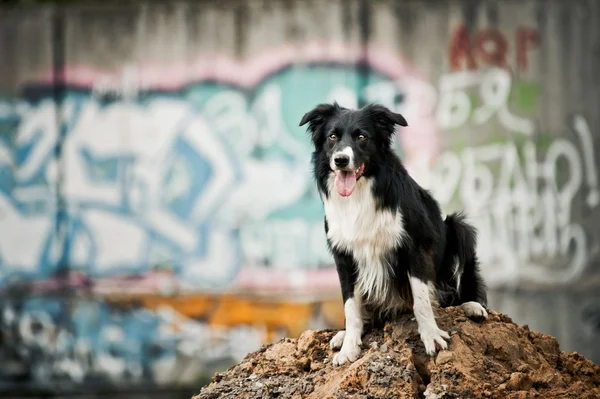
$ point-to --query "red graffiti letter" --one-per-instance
(460, 47)
(526, 39)
(492, 47)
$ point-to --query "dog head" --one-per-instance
(348, 142)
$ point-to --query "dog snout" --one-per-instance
(341, 161)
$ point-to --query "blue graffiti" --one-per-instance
(198, 181)
(44, 340)
(78, 340)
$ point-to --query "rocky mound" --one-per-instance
(491, 359)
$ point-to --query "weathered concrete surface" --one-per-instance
(176, 119)
(537, 218)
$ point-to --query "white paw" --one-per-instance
(349, 353)
(432, 336)
(474, 310)
(337, 340)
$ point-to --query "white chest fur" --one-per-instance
(358, 228)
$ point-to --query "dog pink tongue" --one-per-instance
(345, 182)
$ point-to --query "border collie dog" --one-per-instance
(392, 249)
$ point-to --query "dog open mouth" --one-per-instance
(345, 180)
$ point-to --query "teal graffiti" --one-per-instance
(254, 131)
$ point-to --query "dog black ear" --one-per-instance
(386, 118)
(317, 117)
(319, 114)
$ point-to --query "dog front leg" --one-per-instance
(428, 329)
(349, 340)
(352, 337)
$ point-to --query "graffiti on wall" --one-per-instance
(160, 175)
(49, 339)
(519, 185)
(194, 178)
(197, 177)
(490, 47)
(146, 338)
(201, 183)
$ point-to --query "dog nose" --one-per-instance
(341, 160)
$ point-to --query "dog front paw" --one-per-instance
(349, 353)
(431, 337)
(337, 340)
(474, 310)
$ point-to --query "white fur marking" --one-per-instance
(428, 328)
(474, 309)
(457, 274)
(358, 228)
(353, 335)
(346, 151)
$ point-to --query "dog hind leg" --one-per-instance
(462, 241)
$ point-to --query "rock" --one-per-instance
(306, 340)
(489, 359)
(444, 357)
(520, 382)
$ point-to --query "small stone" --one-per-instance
(303, 363)
(306, 340)
(384, 348)
(520, 382)
(374, 345)
(444, 357)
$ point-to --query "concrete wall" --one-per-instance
(151, 163)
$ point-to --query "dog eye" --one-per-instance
(360, 137)
(332, 137)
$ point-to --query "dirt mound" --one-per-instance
(490, 359)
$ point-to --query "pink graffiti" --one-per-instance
(419, 139)
(246, 72)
